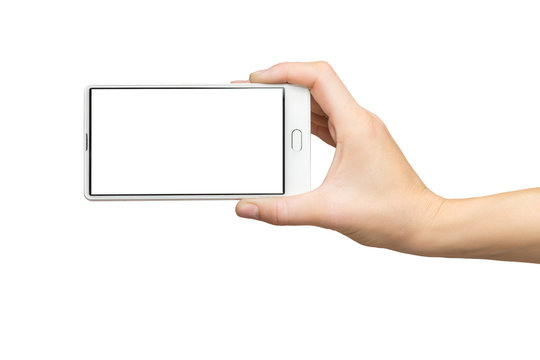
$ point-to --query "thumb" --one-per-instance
(300, 209)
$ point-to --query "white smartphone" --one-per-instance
(196, 141)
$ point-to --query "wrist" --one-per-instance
(448, 227)
(426, 233)
(416, 225)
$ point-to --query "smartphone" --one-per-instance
(196, 141)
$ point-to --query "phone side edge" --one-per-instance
(86, 144)
(297, 117)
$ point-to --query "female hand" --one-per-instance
(370, 193)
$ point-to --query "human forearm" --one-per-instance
(504, 227)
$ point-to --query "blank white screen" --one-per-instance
(186, 141)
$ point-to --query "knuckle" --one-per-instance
(280, 212)
(322, 65)
(367, 118)
(283, 64)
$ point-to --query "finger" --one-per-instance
(239, 81)
(316, 108)
(323, 134)
(303, 209)
(319, 120)
(326, 87)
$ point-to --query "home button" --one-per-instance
(296, 140)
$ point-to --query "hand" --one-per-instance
(370, 193)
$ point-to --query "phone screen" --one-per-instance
(186, 141)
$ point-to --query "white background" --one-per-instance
(457, 85)
(187, 141)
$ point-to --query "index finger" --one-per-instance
(323, 82)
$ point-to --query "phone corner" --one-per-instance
(297, 86)
(87, 88)
(88, 197)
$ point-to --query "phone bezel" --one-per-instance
(296, 164)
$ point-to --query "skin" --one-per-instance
(372, 195)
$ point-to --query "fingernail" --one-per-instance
(255, 73)
(248, 211)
